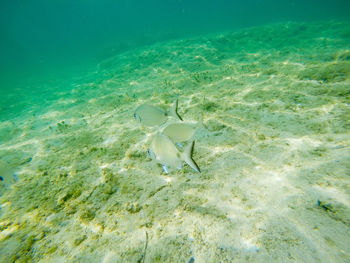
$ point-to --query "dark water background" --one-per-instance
(41, 37)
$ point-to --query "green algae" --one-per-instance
(87, 215)
(62, 126)
(330, 72)
(210, 106)
(175, 248)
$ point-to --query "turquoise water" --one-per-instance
(44, 37)
(265, 87)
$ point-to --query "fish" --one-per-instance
(150, 115)
(164, 151)
(180, 132)
(7, 178)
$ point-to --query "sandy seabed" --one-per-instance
(274, 151)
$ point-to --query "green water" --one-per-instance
(269, 96)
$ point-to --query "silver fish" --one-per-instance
(150, 115)
(7, 177)
(180, 132)
(163, 151)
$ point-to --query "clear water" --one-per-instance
(266, 83)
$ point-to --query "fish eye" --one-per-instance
(151, 154)
(135, 116)
(1, 178)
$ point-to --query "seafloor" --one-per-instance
(273, 150)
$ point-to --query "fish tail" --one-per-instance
(173, 111)
(187, 157)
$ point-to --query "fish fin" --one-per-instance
(165, 169)
(187, 157)
(173, 111)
